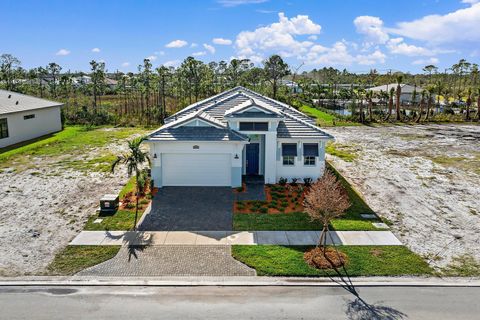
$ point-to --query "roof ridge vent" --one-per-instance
(16, 103)
(9, 96)
(252, 101)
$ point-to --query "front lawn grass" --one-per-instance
(73, 259)
(122, 220)
(295, 221)
(271, 260)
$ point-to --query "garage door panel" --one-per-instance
(196, 169)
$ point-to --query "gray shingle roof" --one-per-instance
(293, 124)
(11, 102)
(198, 134)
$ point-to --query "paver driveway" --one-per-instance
(190, 209)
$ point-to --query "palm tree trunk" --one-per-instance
(478, 107)
(429, 104)
(370, 110)
(136, 202)
(420, 111)
(390, 107)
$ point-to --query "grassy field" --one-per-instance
(297, 221)
(69, 148)
(325, 119)
(270, 260)
(73, 259)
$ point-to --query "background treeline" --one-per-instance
(149, 95)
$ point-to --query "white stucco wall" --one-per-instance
(47, 120)
(178, 147)
(299, 170)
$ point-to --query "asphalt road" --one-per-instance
(238, 303)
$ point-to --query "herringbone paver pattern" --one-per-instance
(171, 260)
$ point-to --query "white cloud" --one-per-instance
(62, 52)
(372, 28)
(222, 41)
(339, 55)
(313, 37)
(193, 45)
(176, 44)
(470, 1)
(425, 62)
(151, 58)
(159, 53)
(96, 50)
(234, 3)
(210, 48)
(398, 46)
(171, 63)
(125, 64)
(454, 27)
(199, 53)
(278, 37)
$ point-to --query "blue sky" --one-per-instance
(354, 34)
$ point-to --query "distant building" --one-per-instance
(407, 91)
(25, 117)
(292, 86)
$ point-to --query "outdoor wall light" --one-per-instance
(236, 156)
(154, 156)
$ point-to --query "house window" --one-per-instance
(254, 126)
(309, 161)
(310, 152)
(3, 128)
(288, 160)
(289, 152)
(28, 116)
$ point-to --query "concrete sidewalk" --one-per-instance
(145, 238)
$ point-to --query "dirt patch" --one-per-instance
(424, 179)
(42, 209)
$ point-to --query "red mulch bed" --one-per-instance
(325, 258)
(130, 198)
(288, 194)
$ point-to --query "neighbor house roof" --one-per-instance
(11, 102)
(293, 123)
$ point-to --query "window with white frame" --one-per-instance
(3, 128)
(289, 152)
(310, 154)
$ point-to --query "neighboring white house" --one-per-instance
(238, 132)
(25, 117)
(407, 91)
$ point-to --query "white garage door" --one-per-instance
(196, 169)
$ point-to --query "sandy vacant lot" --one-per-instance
(425, 179)
(44, 204)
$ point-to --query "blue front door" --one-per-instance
(252, 158)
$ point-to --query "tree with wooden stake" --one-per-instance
(133, 160)
(326, 200)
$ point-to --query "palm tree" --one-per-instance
(469, 103)
(422, 103)
(429, 102)
(369, 99)
(133, 160)
(390, 103)
(398, 95)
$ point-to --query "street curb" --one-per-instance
(238, 281)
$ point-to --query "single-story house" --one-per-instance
(238, 132)
(24, 117)
(407, 91)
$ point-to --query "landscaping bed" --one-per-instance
(73, 259)
(124, 217)
(272, 260)
(283, 210)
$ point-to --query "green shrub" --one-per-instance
(263, 210)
